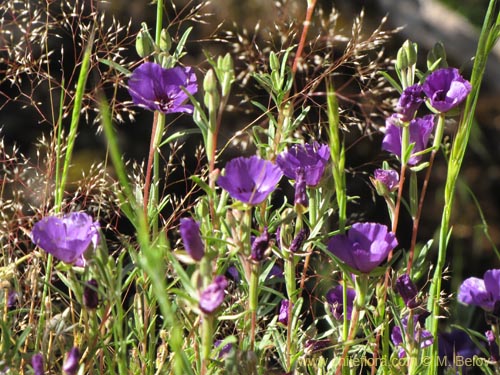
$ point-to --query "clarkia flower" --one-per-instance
(70, 366)
(191, 237)
(335, 298)
(213, 295)
(158, 89)
(456, 343)
(250, 180)
(283, 315)
(420, 131)
(37, 364)
(446, 89)
(365, 246)
(312, 158)
(481, 292)
(385, 180)
(421, 336)
(67, 238)
(409, 102)
(407, 290)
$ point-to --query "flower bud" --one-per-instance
(259, 246)
(299, 240)
(191, 237)
(436, 58)
(210, 82)
(165, 40)
(144, 43)
(283, 316)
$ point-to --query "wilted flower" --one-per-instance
(385, 179)
(299, 240)
(213, 295)
(493, 346)
(421, 336)
(12, 299)
(335, 297)
(364, 247)
(67, 238)
(232, 272)
(312, 345)
(158, 89)
(420, 131)
(283, 315)
(407, 290)
(90, 296)
(259, 246)
(409, 102)
(190, 234)
(481, 292)
(225, 350)
(312, 158)
(250, 180)
(446, 89)
(37, 364)
(70, 366)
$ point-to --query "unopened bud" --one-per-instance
(165, 41)
(144, 43)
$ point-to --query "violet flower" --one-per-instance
(232, 272)
(407, 290)
(446, 89)
(335, 298)
(365, 246)
(283, 315)
(456, 343)
(421, 336)
(312, 158)
(481, 292)
(409, 102)
(67, 238)
(70, 366)
(190, 234)
(250, 180)
(385, 179)
(420, 131)
(213, 295)
(37, 364)
(158, 89)
(225, 350)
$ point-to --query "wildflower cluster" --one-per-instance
(262, 264)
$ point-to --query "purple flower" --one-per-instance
(481, 292)
(407, 290)
(409, 102)
(37, 364)
(250, 180)
(387, 178)
(190, 234)
(456, 343)
(335, 297)
(446, 89)
(213, 295)
(12, 299)
(67, 238)
(312, 158)
(283, 316)
(420, 131)
(421, 336)
(159, 89)
(90, 296)
(70, 366)
(365, 246)
(233, 273)
(259, 246)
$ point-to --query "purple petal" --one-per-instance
(473, 292)
(213, 295)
